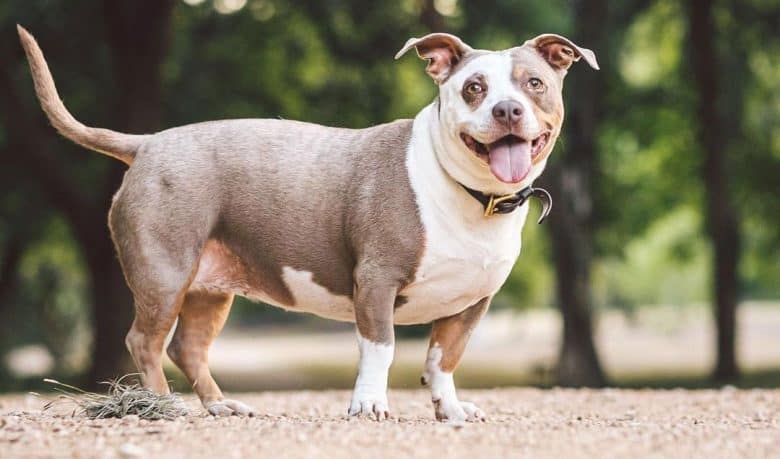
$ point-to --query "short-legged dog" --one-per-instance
(409, 222)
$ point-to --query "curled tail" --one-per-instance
(115, 144)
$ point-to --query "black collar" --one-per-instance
(505, 204)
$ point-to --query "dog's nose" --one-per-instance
(508, 112)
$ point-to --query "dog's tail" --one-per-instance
(115, 144)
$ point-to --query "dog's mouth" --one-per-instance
(510, 158)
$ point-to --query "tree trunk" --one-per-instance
(137, 33)
(11, 258)
(571, 183)
(112, 306)
(721, 217)
(578, 363)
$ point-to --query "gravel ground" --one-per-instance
(522, 423)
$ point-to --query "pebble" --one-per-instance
(130, 419)
(129, 450)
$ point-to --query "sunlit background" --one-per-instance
(665, 183)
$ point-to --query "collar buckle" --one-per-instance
(494, 201)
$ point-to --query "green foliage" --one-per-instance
(666, 264)
(652, 48)
(48, 306)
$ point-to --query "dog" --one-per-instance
(410, 222)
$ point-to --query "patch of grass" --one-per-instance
(121, 400)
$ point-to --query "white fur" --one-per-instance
(228, 407)
(443, 393)
(442, 384)
(311, 297)
(467, 256)
(370, 394)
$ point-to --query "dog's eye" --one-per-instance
(475, 88)
(535, 84)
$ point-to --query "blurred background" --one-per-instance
(659, 266)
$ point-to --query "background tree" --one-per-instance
(575, 177)
(570, 180)
(136, 34)
(713, 135)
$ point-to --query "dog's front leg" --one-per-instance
(448, 340)
(374, 299)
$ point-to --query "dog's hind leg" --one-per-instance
(158, 290)
(159, 283)
(159, 242)
(146, 338)
(201, 319)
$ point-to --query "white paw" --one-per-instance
(456, 411)
(371, 406)
(227, 407)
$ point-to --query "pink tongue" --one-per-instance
(510, 162)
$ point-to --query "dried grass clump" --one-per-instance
(120, 401)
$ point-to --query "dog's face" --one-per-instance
(500, 112)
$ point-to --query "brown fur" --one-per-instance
(115, 144)
(452, 333)
(560, 52)
(474, 100)
(350, 220)
(445, 54)
(201, 319)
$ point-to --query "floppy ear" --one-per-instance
(442, 51)
(560, 52)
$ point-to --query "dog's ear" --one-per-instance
(442, 51)
(560, 52)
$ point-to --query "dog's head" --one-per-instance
(500, 112)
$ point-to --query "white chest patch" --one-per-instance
(467, 256)
(455, 272)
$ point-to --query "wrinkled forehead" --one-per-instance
(507, 64)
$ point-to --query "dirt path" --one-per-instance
(522, 423)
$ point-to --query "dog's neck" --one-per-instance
(433, 183)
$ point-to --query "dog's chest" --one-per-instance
(461, 264)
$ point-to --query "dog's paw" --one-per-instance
(227, 407)
(373, 407)
(456, 411)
